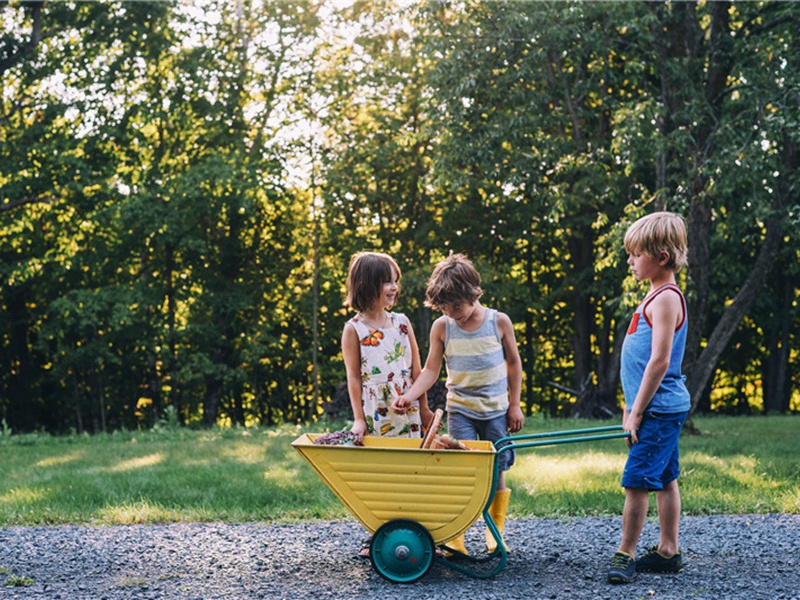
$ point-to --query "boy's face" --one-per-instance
(460, 312)
(643, 266)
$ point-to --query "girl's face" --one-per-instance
(389, 290)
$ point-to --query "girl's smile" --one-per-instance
(389, 293)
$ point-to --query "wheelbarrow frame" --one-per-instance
(507, 444)
(390, 524)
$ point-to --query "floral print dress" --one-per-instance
(385, 375)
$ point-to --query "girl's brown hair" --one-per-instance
(367, 273)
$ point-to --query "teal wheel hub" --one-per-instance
(402, 550)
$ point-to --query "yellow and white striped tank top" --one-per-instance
(477, 377)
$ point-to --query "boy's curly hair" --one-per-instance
(660, 232)
(455, 280)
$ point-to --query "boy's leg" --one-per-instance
(666, 556)
(669, 515)
(623, 563)
(652, 465)
(637, 503)
(493, 430)
(461, 428)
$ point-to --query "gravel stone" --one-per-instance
(732, 556)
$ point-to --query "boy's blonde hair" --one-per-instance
(367, 273)
(659, 232)
(454, 280)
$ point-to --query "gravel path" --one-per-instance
(743, 556)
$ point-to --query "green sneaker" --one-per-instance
(623, 568)
(653, 562)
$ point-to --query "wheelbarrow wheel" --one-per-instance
(402, 551)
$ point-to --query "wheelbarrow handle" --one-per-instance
(570, 440)
(546, 439)
(552, 434)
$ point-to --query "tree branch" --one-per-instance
(6, 206)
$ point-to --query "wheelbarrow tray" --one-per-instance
(392, 478)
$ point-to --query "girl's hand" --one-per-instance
(515, 419)
(426, 416)
(359, 428)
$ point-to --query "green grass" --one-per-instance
(736, 465)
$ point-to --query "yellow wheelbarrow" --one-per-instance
(414, 499)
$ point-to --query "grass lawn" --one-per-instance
(736, 465)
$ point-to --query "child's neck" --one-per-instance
(662, 279)
(475, 319)
(374, 317)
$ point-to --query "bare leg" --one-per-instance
(637, 503)
(501, 481)
(669, 515)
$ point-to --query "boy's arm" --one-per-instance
(665, 312)
(429, 374)
(351, 353)
(514, 366)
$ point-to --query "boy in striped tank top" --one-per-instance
(484, 371)
(656, 399)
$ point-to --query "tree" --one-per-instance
(529, 96)
(716, 74)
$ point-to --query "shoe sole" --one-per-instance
(617, 579)
(657, 570)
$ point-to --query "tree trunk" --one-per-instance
(172, 361)
(581, 249)
(704, 367)
(774, 367)
(77, 396)
(211, 401)
(528, 353)
(22, 398)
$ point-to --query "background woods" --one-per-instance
(182, 185)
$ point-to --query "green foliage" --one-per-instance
(182, 186)
(12, 580)
(17, 581)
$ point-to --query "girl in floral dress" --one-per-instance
(380, 353)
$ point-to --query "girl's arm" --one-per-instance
(514, 366)
(428, 375)
(351, 352)
(425, 412)
(664, 313)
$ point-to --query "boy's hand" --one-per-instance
(515, 419)
(631, 424)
